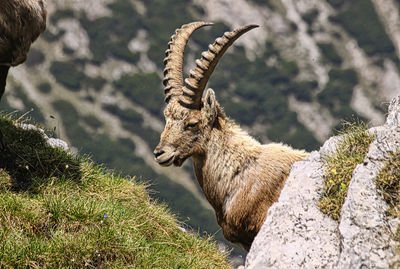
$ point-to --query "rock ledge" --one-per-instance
(296, 234)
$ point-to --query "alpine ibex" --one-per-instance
(21, 22)
(240, 177)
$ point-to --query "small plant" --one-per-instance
(340, 166)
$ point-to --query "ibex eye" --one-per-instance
(191, 124)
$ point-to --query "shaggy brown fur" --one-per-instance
(21, 22)
(240, 177)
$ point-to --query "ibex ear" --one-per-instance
(210, 105)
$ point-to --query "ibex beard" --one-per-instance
(240, 177)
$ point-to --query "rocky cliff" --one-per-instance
(297, 234)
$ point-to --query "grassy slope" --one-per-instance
(58, 210)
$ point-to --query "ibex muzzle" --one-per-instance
(240, 177)
(181, 137)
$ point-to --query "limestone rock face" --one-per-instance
(296, 234)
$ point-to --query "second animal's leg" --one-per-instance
(3, 78)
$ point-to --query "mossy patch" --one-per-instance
(339, 167)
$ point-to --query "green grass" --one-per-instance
(388, 183)
(339, 167)
(60, 210)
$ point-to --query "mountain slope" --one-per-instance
(59, 210)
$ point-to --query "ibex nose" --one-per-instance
(158, 153)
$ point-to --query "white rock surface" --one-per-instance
(296, 232)
(297, 235)
(52, 142)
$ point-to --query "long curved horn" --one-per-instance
(199, 76)
(173, 80)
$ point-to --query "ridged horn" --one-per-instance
(173, 79)
(199, 76)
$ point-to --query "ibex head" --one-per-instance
(189, 118)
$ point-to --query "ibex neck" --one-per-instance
(229, 152)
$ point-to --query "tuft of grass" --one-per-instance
(59, 210)
(388, 183)
(339, 167)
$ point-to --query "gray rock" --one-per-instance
(296, 234)
(393, 119)
(58, 143)
(52, 142)
(366, 235)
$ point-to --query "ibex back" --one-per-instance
(240, 177)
